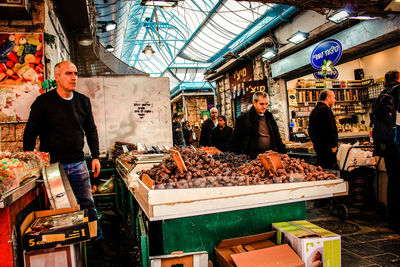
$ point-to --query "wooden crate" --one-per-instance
(176, 203)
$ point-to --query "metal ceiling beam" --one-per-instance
(256, 36)
(273, 13)
(369, 6)
(216, 7)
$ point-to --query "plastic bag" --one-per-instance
(107, 186)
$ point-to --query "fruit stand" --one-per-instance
(20, 194)
(196, 219)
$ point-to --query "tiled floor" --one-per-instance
(372, 245)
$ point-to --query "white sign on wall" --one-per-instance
(129, 109)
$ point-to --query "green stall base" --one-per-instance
(205, 232)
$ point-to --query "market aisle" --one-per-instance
(119, 238)
(365, 239)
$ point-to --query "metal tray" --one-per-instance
(58, 188)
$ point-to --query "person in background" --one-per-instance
(221, 136)
(207, 126)
(177, 130)
(385, 108)
(188, 133)
(323, 131)
(256, 130)
(196, 132)
(61, 118)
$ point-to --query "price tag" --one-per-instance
(178, 160)
(147, 181)
(271, 161)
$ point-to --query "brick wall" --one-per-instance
(34, 25)
(195, 104)
(12, 136)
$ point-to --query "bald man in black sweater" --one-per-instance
(61, 119)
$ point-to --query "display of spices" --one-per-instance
(228, 169)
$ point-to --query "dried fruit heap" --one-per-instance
(228, 169)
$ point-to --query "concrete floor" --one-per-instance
(372, 244)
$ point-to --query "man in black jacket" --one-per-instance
(384, 109)
(323, 131)
(61, 118)
(207, 126)
(256, 130)
(221, 136)
(177, 130)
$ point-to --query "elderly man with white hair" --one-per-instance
(207, 126)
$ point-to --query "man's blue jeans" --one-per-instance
(78, 176)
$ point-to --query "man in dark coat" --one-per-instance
(207, 126)
(256, 130)
(384, 142)
(177, 130)
(221, 136)
(323, 131)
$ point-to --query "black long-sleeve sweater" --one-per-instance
(61, 126)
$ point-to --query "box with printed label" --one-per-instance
(316, 246)
(51, 228)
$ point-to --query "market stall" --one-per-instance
(197, 213)
(19, 194)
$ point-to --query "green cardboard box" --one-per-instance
(315, 246)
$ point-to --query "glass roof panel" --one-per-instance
(186, 39)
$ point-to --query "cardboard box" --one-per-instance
(65, 256)
(277, 256)
(190, 259)
(311, 242)
(249, 249)
(50, 238)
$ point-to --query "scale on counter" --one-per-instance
(301, 137)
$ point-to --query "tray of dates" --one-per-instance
(225, 181)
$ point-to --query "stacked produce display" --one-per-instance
(15, 167)
(228, 169)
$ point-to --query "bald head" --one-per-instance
(60, 65)
(66, 76)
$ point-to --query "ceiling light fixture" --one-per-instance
(339, 16)
(110, 48)
(111, 25)
(230, 55)
(270, 53)
(298, 37)
(363, 17)
(209, 72)
(148, 50)
(107, 26)
(160, 3)
(85, 41)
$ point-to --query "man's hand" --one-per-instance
(334, 149)
(96, 167)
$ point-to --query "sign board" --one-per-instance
(240, 75)
(334, 74)
(126, 107)
(327, 51)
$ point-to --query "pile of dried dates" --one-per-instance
(229, 169)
